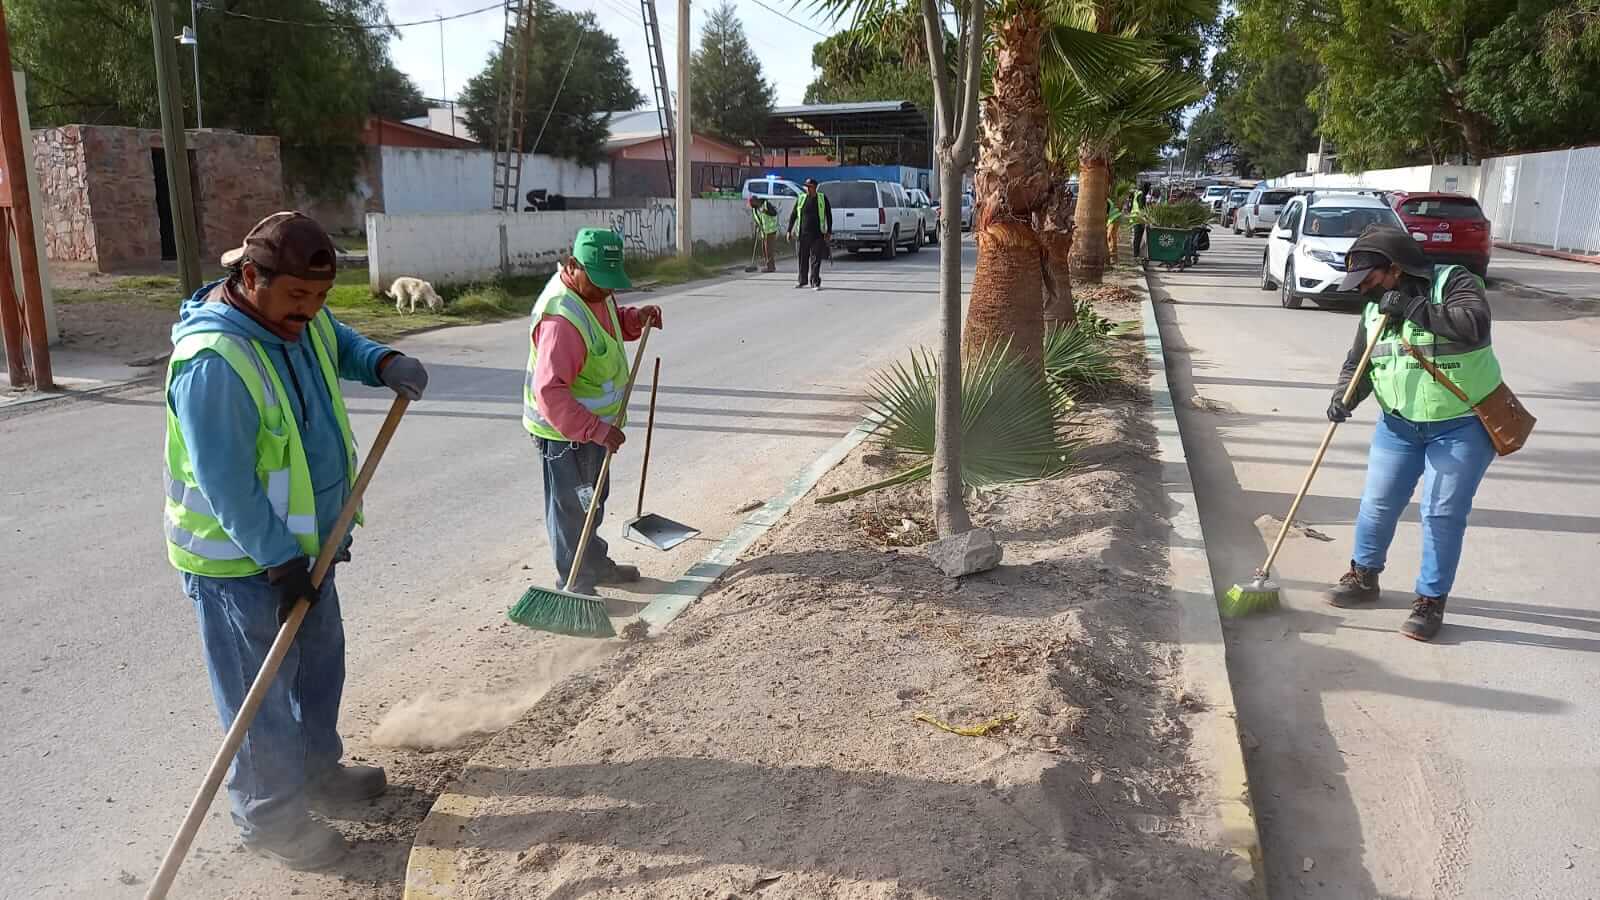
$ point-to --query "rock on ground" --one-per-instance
(966, 553)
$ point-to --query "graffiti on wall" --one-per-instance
(646, 231)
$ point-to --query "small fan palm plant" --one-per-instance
(1011, 422)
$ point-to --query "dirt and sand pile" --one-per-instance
(775, 741)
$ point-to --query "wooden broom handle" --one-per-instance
(649, 431)
(605, 466)
(1305, 486)
(179, 850)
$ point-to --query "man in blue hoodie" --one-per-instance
(259, 460)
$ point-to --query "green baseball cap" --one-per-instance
(599, 251)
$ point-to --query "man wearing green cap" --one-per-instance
(572, 397)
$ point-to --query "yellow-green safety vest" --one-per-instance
(604, 376)
(196, 542)
(1406, 389)
(766, 223)
(822, 211)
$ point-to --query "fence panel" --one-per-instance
(1544, 199)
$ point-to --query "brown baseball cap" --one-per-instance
(288, 243)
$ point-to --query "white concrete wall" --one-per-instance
(1448, 179)
(417, 180)
(460, 248)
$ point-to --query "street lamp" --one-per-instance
(190, 38)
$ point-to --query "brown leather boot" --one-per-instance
(1357, 587)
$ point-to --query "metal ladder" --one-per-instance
(510, 114)
(659, 84)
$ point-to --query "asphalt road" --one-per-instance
(1381, 767)
(108, 722)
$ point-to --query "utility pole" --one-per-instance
(21, 215)
(444, 84)
(194, 35)
(175, 150)
(685, 141)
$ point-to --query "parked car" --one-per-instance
(967, 204)
(1261, 209)
(928, 211)
(1305, 255)
(1450, 228)
(771, 187)
(1230, 208)
(1214, 196)
(873, 214)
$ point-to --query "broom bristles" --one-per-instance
(1242, 600)
(559, 612)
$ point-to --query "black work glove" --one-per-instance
(404, 375)
(290, 582)
(1394, 304)
(1337, 411)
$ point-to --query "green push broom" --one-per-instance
(562, 611)
(1261, 593)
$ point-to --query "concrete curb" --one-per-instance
(432, 872)
(1215, 728)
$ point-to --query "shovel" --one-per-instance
(652, 530)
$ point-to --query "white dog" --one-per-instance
(407, 291)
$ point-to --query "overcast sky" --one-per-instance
(784, 48)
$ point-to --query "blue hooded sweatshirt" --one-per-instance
(219, 421)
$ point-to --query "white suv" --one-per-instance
(1305, 253)
(873, 214)
(1261, 209)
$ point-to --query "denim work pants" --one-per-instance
(569, 474)
(294, 738)
(1451, 458)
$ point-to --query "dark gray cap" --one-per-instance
(1377, 248)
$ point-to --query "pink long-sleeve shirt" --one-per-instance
(562, 354)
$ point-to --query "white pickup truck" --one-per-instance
(874, 214)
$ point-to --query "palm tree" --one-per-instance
(1103, 124)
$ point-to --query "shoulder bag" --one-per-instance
(1505, 418)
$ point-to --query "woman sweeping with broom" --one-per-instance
(1432, 369)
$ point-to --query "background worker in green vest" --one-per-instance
(1136, 205)
(259, 460)
(766, 221)
(572, 398)
(814, 222)
(1425, 432)
(1113, 230)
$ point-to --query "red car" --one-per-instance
(1451, 228)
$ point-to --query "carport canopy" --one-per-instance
(880, 132)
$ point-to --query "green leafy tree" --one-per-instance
(310, 83)
(859, 64)
(396, 96)
(729, 97)
(576, 78)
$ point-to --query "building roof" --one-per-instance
(381, 132)
(890, 124)
(641, 126)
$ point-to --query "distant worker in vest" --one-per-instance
(815, 224)
(259, 460)
(572, 399)
(1424, 430)
(766, 222)
(1136, 202)
(1113, 230)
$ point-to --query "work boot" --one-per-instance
(770, 268)
(802, 286)
(616, 574)
(1356, 587)
(348, 784)
(1427, 616)
(314, 845)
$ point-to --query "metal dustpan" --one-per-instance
(656, 531)
(652, 530)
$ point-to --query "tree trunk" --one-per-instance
(949, 510)
(1013, 184)
(1094, 183)
(1056, 232)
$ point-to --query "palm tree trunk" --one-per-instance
(1013, 184)
(1094, 183)
(1055, 231)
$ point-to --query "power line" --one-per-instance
(337, 25)
(784, 16)
(557, 98)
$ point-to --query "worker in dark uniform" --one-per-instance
(815, 223)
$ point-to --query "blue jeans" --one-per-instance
(1451, 458)
(294, 737)
(570, 471)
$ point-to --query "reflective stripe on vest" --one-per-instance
(196, 541)
(767, 223)
(1406, 389)
(600, 383)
